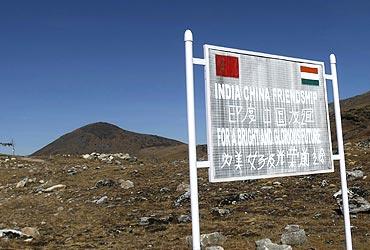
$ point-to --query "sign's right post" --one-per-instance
(343, 177)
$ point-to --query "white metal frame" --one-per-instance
(193, 164)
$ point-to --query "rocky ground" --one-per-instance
(120, 202)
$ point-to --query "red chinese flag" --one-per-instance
(227, 66)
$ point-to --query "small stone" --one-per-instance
(88, 156)
(51, 189)
(293, 235)
(182, 198)
(102, 200)
(72, 171)
(183, 187)
(276, 183)
(324, 183)
(22, 183)
(31, 231)
(126, 184)
(220, 211)
(266, 244)
(215, 248)
(164, 190)
(105, 183)
(184, 218)
(355, 174)
(144, 221)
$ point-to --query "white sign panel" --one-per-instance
(267, 115)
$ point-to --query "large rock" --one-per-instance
(357, 204)
(208, 240)
(266, 244)
(293, 235)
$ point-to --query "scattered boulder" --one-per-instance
(13, 234)
(355, 174)
(293, 235)
(88, 156)
(126, 184)
(184, 218)
(22, 183)
(357, 204)
(182, 198)
(220, 211)
(234, 198)
(55, 187)
(208, 240)
(110, 158)
(266, 244)
(144, 221)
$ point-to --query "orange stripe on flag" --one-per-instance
(309, 70)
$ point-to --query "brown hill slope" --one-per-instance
(104, 138)
(355, 118)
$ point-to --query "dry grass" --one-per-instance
(69, 219)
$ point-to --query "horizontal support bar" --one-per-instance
(328, 77)
(203, 164)
(199, 61)
(336, 157)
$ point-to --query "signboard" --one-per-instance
(267, 115)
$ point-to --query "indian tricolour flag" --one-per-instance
(309, 75)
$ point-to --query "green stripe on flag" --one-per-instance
(310, 82)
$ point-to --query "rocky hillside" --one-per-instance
(103, 138)
(115, 201)
(355, 118)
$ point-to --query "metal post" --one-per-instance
(343, 177)
(188, 38)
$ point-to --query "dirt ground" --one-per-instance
(70, 218)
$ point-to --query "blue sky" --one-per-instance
(64, 64)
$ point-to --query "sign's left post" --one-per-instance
(188, 38)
